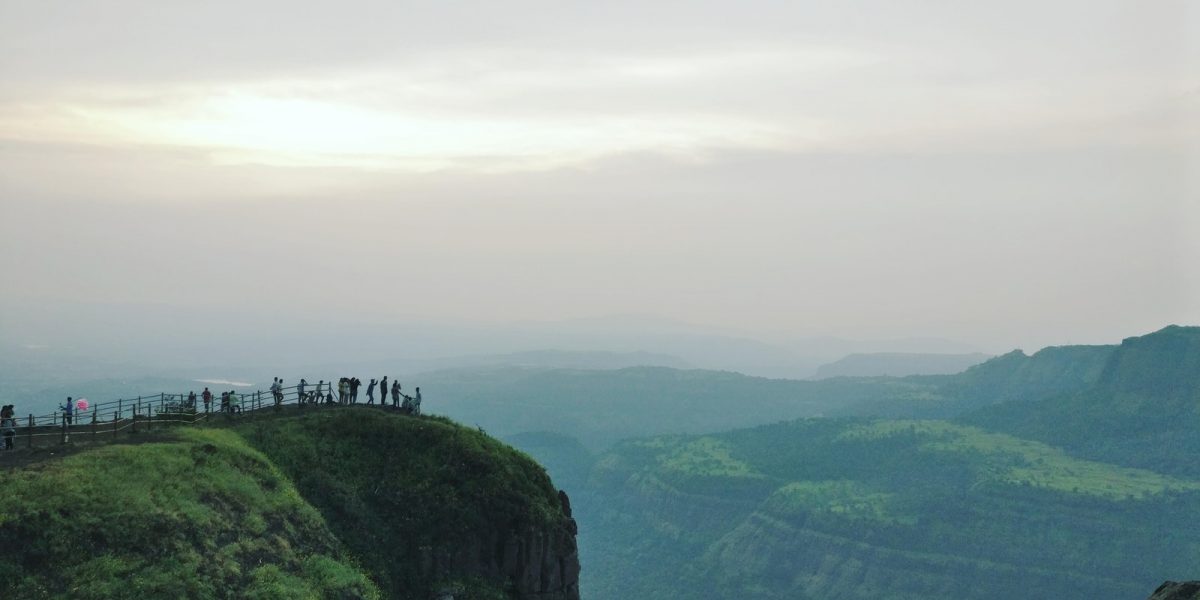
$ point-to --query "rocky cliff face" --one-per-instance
(539, 564)
(430, 509)
(1173, 590)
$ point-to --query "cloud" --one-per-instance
(876, 168)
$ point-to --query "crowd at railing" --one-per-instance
(82, 417)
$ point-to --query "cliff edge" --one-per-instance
(333, 503)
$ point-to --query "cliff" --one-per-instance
(344, 503)
(1139, 412)
(1172, 590)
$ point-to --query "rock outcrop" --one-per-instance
(539, 564)
(1174, 590)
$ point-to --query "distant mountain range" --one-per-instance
(155, 338)
(601, 407)
(899, 364)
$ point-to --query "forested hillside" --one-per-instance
(867, 509)
(1097, 500)
(1144, 409)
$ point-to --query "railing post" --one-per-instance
(30, 445)
(116, 422)
(118, 408)
(93, 424)
(137, 409)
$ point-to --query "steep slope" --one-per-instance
(343, 503)
(425, 504)
(1173, 590)
(1015, 376)
(1142, 410)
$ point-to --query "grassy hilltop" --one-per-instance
(353, 503)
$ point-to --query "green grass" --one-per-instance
(1017, 461)
(196, 516)
(412, 496)
(849, 499)
(326, 504)
(707, 457)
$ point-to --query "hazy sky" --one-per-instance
(1016, 174)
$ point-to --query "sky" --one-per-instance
(1011, 174)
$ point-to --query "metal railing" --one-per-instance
(146, 412)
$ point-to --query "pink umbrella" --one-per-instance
(81, 404)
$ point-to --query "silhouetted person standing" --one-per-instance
(354, 383)
(396, 394)
(383, 391)
(8, 423)
(371, 392)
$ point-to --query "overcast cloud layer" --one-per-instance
(1024, 173)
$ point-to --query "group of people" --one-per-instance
(231, 401)
(8, 425)
(347, 393)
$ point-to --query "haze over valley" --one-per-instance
(608, 301)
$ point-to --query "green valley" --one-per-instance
(1070, 471)
(865, 508)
